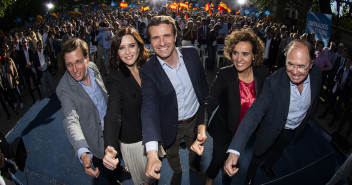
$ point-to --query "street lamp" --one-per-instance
(241, 2)
(50, 6)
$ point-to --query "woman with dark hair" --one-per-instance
(123, 127)
(234, 90)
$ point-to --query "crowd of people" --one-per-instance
(120, 99)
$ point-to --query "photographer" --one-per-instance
(12, 157)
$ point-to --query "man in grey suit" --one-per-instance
(283, 108)
(83, 99)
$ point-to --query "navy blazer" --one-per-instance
(36, 63)
(225, 93)
(22, 59)
(159, 107)
(272, 107)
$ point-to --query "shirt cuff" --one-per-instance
(81, 151)
(233, 151)
(151, 145)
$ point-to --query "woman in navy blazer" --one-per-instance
(234, 90)
(123, 127)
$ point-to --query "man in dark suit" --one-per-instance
(174, 87)
(339, 62)
(271, 50)
(284, 107)
(42, 63)
(342, 78)
(25, 60)
(203, 33)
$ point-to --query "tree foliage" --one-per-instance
(278, 7)
(4, 4)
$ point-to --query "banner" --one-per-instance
(320, 24)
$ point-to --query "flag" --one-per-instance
(229, 9)
(247, 12)
(208, 6)
(19, 19)
(142, 8)
(39, 18)
(267, 12)
(184, 5)
(56, 15)
(186, 16)
(146, 8)
(103, 5)
(238, 12)
(123, 5)
(257, 15)
(112, 3)
(173, 7)
(222, 6)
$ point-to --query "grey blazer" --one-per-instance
(82, 121)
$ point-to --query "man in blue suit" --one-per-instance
(174, 87)
(288, 98)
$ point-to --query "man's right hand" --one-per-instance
(153, 165)
(87, 164)
(230, 165)
(110, 161)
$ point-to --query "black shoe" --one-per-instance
(176, 179)
(249, 182)
(269, 172)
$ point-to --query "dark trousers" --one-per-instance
(217, 162)
(211, 56)
(28, 75)
(272, 155)
(110, 175)
(188, 133)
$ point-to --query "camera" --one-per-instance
(15, 151)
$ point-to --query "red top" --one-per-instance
(247, 95)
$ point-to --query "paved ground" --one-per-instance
(7, 125)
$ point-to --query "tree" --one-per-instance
(4, 4)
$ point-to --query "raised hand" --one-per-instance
(110, 161)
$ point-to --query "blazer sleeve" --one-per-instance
(214, 98)
(71, 122)
(112, 119)
(252, 118)
(150, 110)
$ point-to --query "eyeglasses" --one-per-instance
(78, 63)
(301, 68)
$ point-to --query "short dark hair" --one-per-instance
(157, 20)
(74, 44)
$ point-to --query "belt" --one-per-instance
(189, 120)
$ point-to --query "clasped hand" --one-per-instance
(110, 161)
